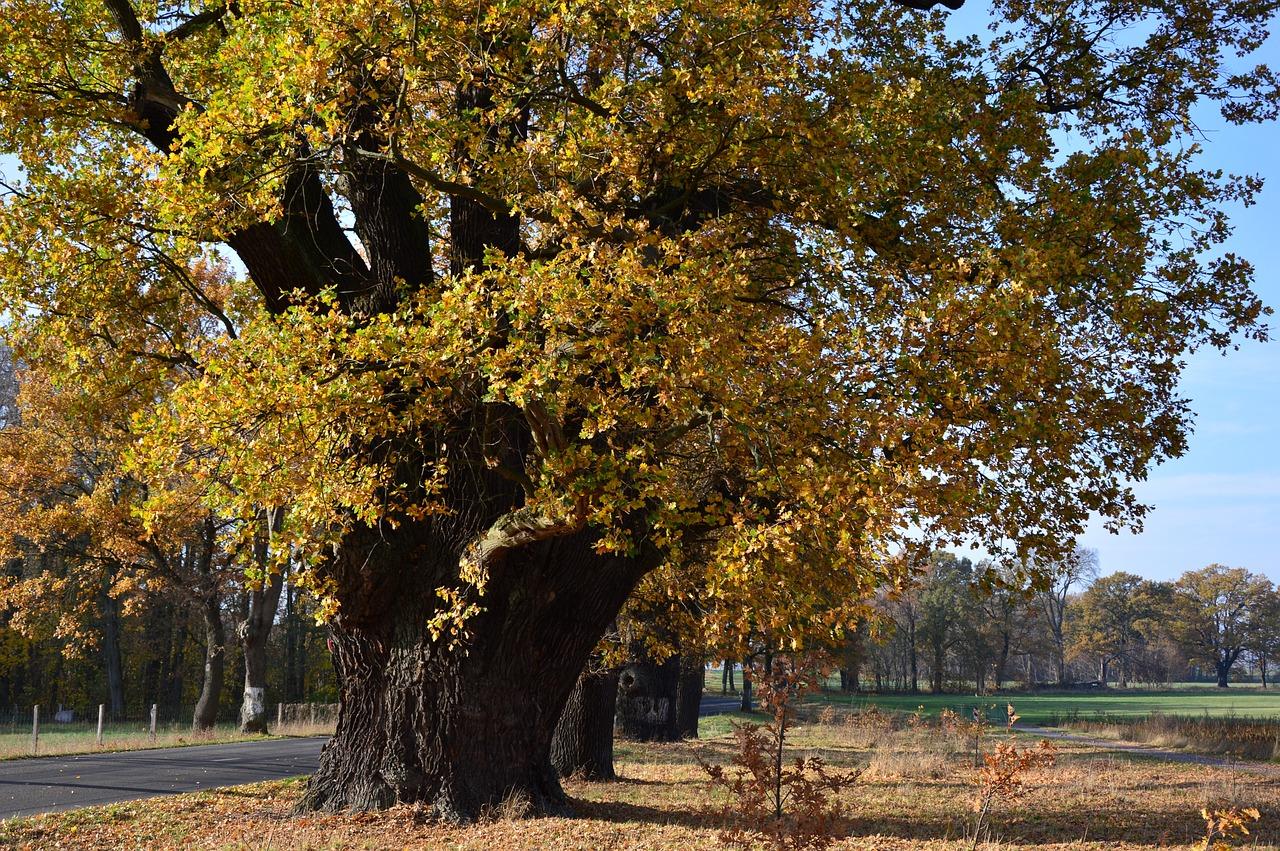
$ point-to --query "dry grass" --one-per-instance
(916, 794)
(65, 743)
(1249, 738)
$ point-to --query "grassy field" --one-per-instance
(1051, 707)
(915, 792)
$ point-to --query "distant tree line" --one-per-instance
(967, 626)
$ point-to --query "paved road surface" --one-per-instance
(64, 782)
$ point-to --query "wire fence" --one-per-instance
(45, 731)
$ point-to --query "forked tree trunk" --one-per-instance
(583, 742)
(467, 724)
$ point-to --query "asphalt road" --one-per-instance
(54, 783)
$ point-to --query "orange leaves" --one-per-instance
(1221, 826)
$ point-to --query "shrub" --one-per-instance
(786, 806)
(1003, 778)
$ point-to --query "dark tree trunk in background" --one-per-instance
(648, 701)
(254, 632)
(111, 661)
(459, 727)
(582, 745)
(689, 696)
(727, 685)
(295, 670)
(215, 660)
(172, 673)
(852, 654)
(745, 704)
(1224, 672)
(260, 613)
(1002, 660)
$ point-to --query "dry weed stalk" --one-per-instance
(1003, 776)
(784, 806)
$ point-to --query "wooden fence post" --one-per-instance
(153, 722)
(35, 729)
(102, 709)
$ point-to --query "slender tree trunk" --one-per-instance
(459, 726)
(939, 663)
(689, 696)
(1262, 669)
(215, 653)
(915, 660)
(745, 704)
(582, 745)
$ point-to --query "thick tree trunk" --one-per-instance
(583, 742)
(461, 725)
(254, 632)
(1224, 673)
(689, 696)
(648, 700)
(745, 704)
(215, 660)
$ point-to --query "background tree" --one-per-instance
(1264, 638)
(1213, 614)
(1078, 568)
(943, 600)
(1113, 619)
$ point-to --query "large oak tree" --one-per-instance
(533, 294)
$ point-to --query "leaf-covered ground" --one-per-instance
(914, 793)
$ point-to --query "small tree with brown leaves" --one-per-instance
(1003, 777)
(784, 806)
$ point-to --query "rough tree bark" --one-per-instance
(466, 726)
(648, 701)
(582, 745)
